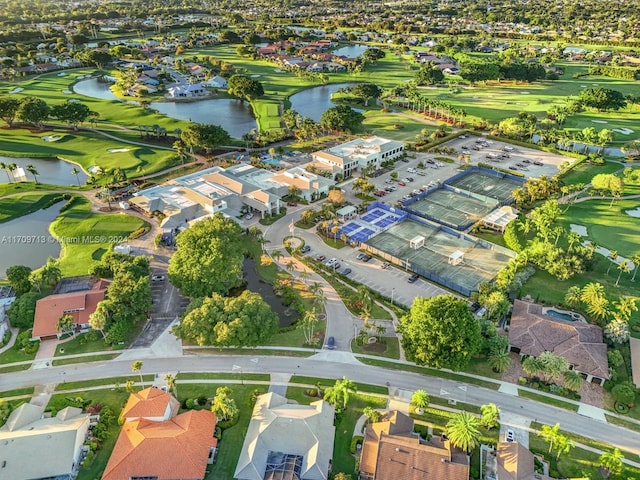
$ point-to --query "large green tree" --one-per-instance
(339, 394)
(208, 258)
(245, 88)
(23, 310)
(204, 136)
(441, 332)
(341, 118)
(246, 320)
(9, 109)
(73, 113)
(611, 462)
(602, 98)
(33, 110)
(18, 276)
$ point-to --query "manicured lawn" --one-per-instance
(233, 438)
(433, 372)
(438, 419)
(395, 127)
(265, 377)
(15, 354)
(80, 344)
(15, 368)
(325, 382)
(251, 351)
(389, 348)
(584, 172)
(89, 235)
(295, 337)
(343, 460)
(479, 366)
(118, 381)
(556, 402)
(17, 392)
(19, 205)
(31, 187)
(88, 359)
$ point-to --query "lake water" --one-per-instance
(94, 89)
(27, 241)
(313, 102)
(350, 51)
(52, 171)
(232, 115)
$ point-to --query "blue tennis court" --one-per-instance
(362, 235)
(386, 221)
(349, 227)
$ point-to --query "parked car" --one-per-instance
(385, 265)
(405, 160)
(335, 266)
(320, 258)
(538, 163)
(361, 255)
(292, 204)
(331, 343)
(248, 216)
(346, 271)
(158, 278)
(402, 184)
(510, 436)
(305, 249)
(413, 278)
(331, 261)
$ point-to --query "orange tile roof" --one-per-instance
(148, 403)
(80, 305)
(174, 449)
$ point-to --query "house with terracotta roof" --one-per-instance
(176, 447)
(150, 404)
(79, 305)
(33, 446)
(392, 451)
(287, 441)
(511, 461)
(533, 331)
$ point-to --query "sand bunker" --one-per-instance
(635, 213)
(599, 121)
(62, 74)
(579, 229)
(66, 92)
(623, 131)
(583, 86)
(16, 90)
(51, 138)
(255, 75)
(524, 93)
(117, 150)
(277, 70)
(95, 169)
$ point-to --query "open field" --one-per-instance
(88, 235)
(394, 127)
(25, 204)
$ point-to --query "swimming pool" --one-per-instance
(564, 315)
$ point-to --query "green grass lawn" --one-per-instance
(295, 337)
(15, 354)
(264, 377)
(86, 231)
(118, 381)
(31, 187)
(395, 127)
(556, 402)
(80, 344)
(87, 359)
(584, 172)
(389, 348)
(17, 392)
(343, 460)
(19, 205)
(328, 382)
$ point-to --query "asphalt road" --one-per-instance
(397, 379)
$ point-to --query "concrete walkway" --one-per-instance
(279, 383)
(12, 340)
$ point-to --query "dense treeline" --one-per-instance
(624, 73)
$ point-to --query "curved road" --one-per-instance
(317, 367)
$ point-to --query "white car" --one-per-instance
(331, 261)
(157, 278)
(510, 436)
(248, 216)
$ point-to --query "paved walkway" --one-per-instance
(12, 340)
(279, 383)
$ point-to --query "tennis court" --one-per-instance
(457, 210)
(496, 187)
(481, 263)
(377, 218)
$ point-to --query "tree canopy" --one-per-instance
(18, 276)
(602, 98)
(440, 332)
(244, 87)
(208, 258)
(341, 118)
(240, 321)
(23, 310)
(204, 136)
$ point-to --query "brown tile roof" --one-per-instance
(580, 343)
(149, 403)
(391, 452)
(80, 305)
(176, 448)
(515, 462)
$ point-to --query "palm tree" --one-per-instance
(499, 361)
(12, 167)
(532, 366)
(338, 395)
(372, 414)
(137, 367)
(613, 255)
(65, 324)
(304, 275)
(129, 386)
(364, 295)
(223, 405)
(5, 167)
(170, 380)
(33, 171)
(76, 172)
(611, 462)
(276, 254)
(572, 380)
(623, 267)
(463, 431)
(550, 434)
(635, 258)
(290, 265)
(572, 297)
(563, 446)
(420, 400)
(490, 415)
(625, 307)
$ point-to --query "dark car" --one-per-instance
(305, 249)
(413, 278)
(405, 160)
(366, 258)
(331, 343)
(292, 204)
(346, 271)
(361, 255)
(320, 258)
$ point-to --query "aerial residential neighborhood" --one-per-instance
(319, 241)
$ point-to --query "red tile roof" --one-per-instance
(579, 343)
(149, 403)
(174, 449)
(80, 305)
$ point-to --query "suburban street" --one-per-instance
(316, 367)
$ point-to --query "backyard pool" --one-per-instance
(564, 315)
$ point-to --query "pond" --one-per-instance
(255, 284)
(52, 171)
(350, 51)
(234, 116)
(94, 89)
(313, 102)
(27, 241)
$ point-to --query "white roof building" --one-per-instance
(287, 441)
(35, 447)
